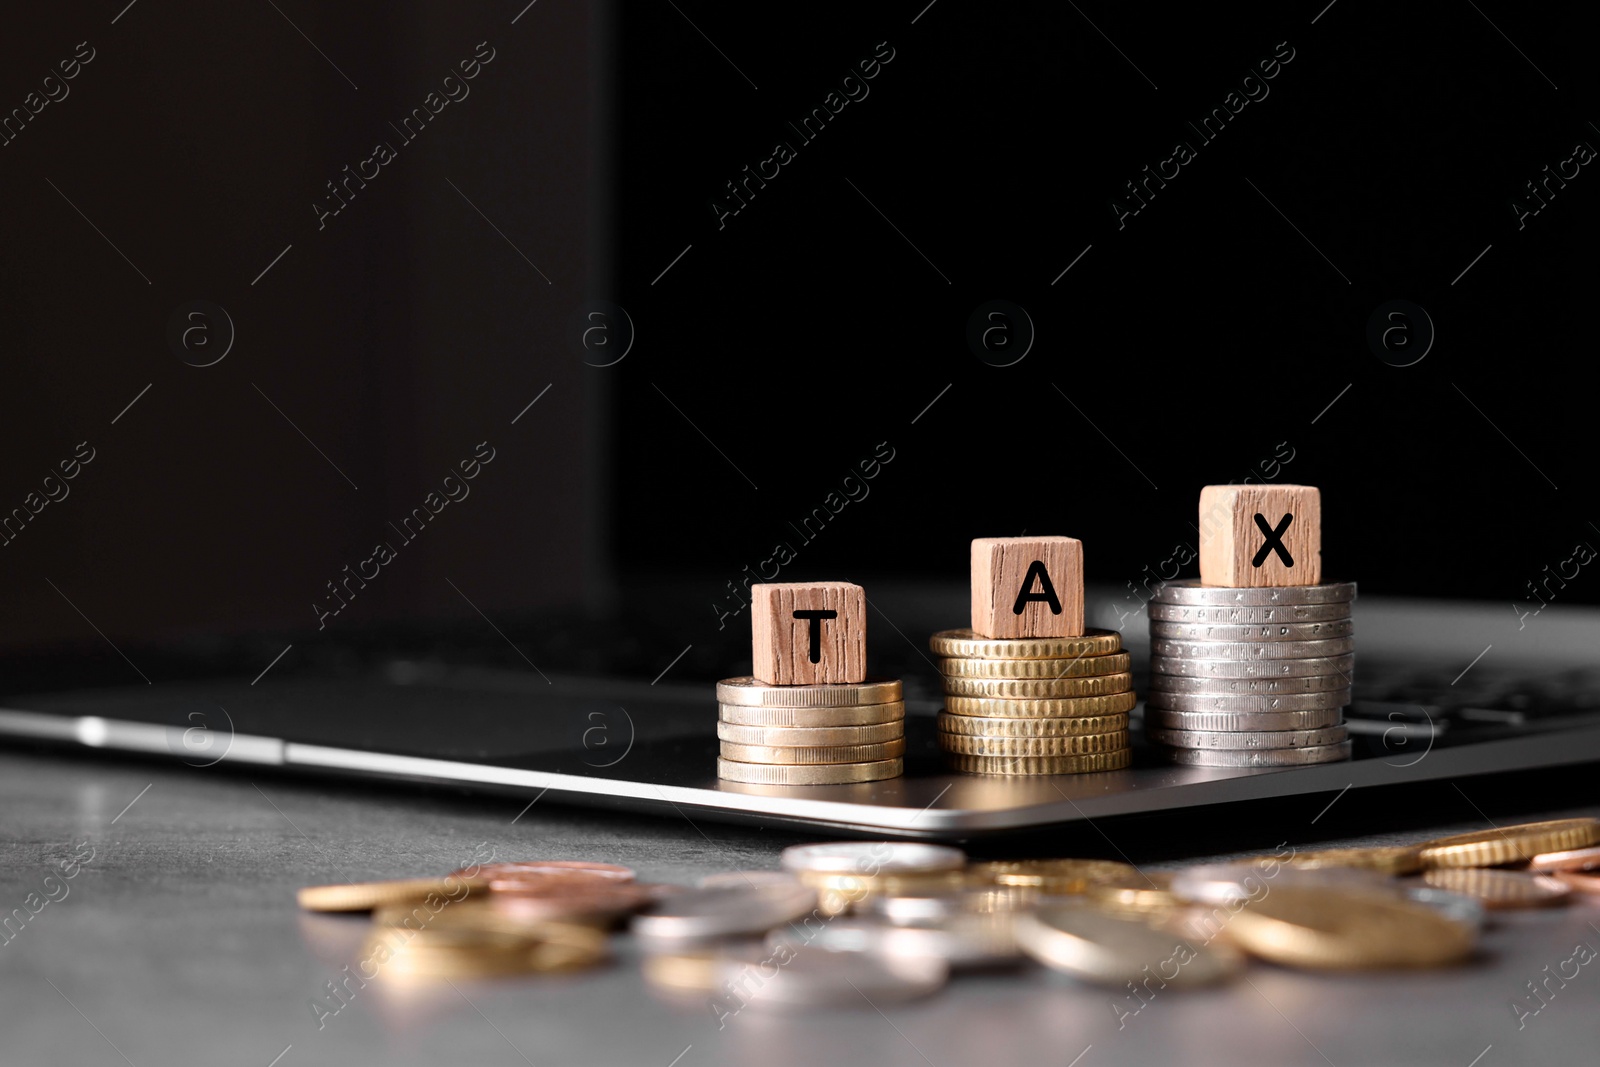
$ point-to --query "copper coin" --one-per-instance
(1500, 890)
(1582, 881)
(560, 900)
(1577, 859)
(515, 876)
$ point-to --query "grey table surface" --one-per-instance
(179, 942)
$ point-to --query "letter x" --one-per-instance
(816, 615)
(1274, 541)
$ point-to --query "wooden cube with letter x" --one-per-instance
(1027, 587)
(809, 633)
(1260, 535)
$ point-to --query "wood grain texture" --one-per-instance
(781, 645)
(1003, 569)
(1231, 540)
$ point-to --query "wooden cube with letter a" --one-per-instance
(809, 633)
(1027, 586)
(1255, 535)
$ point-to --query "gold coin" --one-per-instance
(816, 774)
(1046, 708)
(796, 736)
(477, 937)
(1054, 877)
(1074, 667)
(1390, 859)
(366, 896)
(980, 726)
(968, 644)
(747, 692)
(813, 754)
(967, 745)
(1098, 761)
(1510, 844)
(1500, 890)
(421, 958)
(808, 718)
(1031, 689)
(1325, 929)
(1150, 893)
(838, 893)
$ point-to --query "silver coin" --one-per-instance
(1263, 668)
(747, 692)
(1190, 591)
(1250, 632)
(1260, 757)
(1251, 650)
(1311, 683)
(729, 911)
(1225, 883)
(967, 940)
(782, 975)
(1248, 739)
(1109, 949)
(872, 858)
(1242, 720)
(1241, 614)
(1249, 702)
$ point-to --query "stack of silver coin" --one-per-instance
(1254, 677)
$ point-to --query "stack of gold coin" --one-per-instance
(1036, 705)
(1253, 677)
(810, 734)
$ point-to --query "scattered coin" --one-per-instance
(816, 774)
(1099, 761)
(518, 875)
(368, 896)
(730, 911)
(783, 976)
(934, 908)
(681, 972)
(823, 754)
(1226, 883)
(1055, 877)
(966, 644)
(810, 736)
(748, 692)
(812, 718)
(1499, 890)
(1578, 859)
(1463, 909)
(1212, 740)
(981, 726)
(966, 940)
(1510, 844)
(1259, 757)
(1076, 667)
(570, 900)
(1099, 946)
(969, 745)
(1189, 591)
(1332, 929)
(1582, 881)
(1242, 720)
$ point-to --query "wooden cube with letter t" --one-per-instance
(809, 633)
(1260, 535)
(1027, 587)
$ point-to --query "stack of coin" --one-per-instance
(1034, 705)
(1252, 677)
(810, 734)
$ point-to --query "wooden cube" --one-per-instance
(1260, 535)
(1027, 586)
(809, 633)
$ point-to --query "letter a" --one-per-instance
(1046, 593)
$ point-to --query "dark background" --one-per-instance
(1203, 339)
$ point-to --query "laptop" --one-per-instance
(455, 477)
